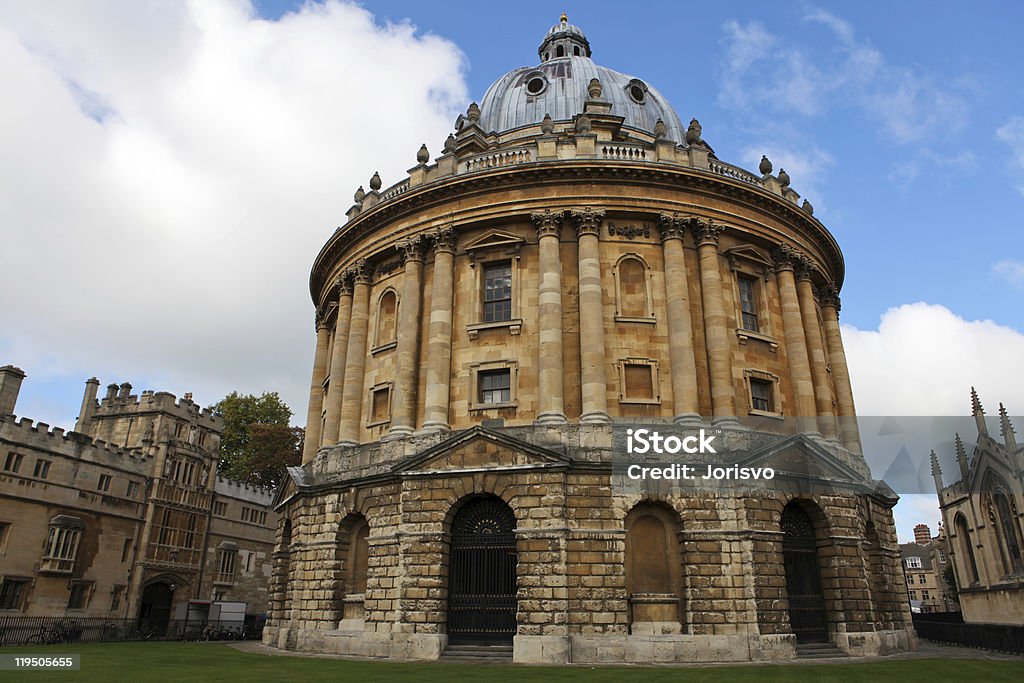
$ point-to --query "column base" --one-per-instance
(433, 427)
(689, 420)
(550, 418)
(728, 423)
(398, 432)
(595, 417)
(346, 442)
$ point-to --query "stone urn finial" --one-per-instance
(423, 155)
(693, 132)
(583, 124)
(473, 113)
(594, 89)
(783, 177)
(808, 207)
(449, 144)
(375, 181)
(547, 126)
(660, 130)
(765, 167)
(358, 196)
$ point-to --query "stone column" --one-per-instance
(682, 363)
(796, 346)
(439, 344)
(815, 351)
(716, 332)
(403, 420)
(332, 419)
(355, 357)
(316, 392)
(550, 365)
(593, 377)
(830, 305)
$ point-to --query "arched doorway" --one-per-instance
(155, 611)
(482, 573)
(803, 576)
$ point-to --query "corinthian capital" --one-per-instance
(548, 222)
(359, 272)
(587, 220)
(344, 284)
(671, 227)
(830, 296)
(786, 258)
(444, 239)
(410, 249)
(705, 231)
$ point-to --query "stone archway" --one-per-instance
(482, 573)
(155, 610)
(803, 576)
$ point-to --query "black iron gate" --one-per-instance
(482, 573)
(803, 577)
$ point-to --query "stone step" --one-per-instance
(818, 651)
(477, 653)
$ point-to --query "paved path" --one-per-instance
(926, 650)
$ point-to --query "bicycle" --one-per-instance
(53, 636)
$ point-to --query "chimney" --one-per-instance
(92, 386)
(922, 534)
(10, 385)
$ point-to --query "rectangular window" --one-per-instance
(42, 469)
(925, 595)
(761, 395)
(125, 549)
(61, 549)
(220, 508)
(381, 408)
(132, 490)
(638, 381)
(115, 597)
(79, 598)
(226, 566)
(5, 529)
(13, 462)
(248, 562)
(913, 563)
(12, 593)
(942, 556)
(498, 291)
(104, 483)
(748, 303)
(495, 386)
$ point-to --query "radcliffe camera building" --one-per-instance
(577, 262)
(124, 517)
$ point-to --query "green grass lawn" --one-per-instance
(170, 662)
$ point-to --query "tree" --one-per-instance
(257, 443)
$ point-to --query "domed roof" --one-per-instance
(559, 86)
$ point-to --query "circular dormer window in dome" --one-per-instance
(637, 90)
(536, 83)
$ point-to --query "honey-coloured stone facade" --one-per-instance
(486, 330)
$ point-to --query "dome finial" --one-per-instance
(565, 18)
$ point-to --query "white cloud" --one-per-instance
(765, 72)
(923, 359)
(1011, 271)
(171, 170)
(1012, 133)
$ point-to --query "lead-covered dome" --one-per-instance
(559, 86)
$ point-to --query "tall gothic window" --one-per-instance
(1014, 563)
(969, 564)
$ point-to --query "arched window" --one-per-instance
(633, 293)
(387, 309)
(1013, 562)
(653, 564)
(559, 51)
(352, 558)
(576, 51)
(969, 564)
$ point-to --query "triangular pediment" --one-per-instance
(482, 449)
(293, 479)
(750, 254)
(494, 239)
(801, 457)
(987, 464)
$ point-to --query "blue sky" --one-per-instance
(171, 170)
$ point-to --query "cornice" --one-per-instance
(452, 189)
